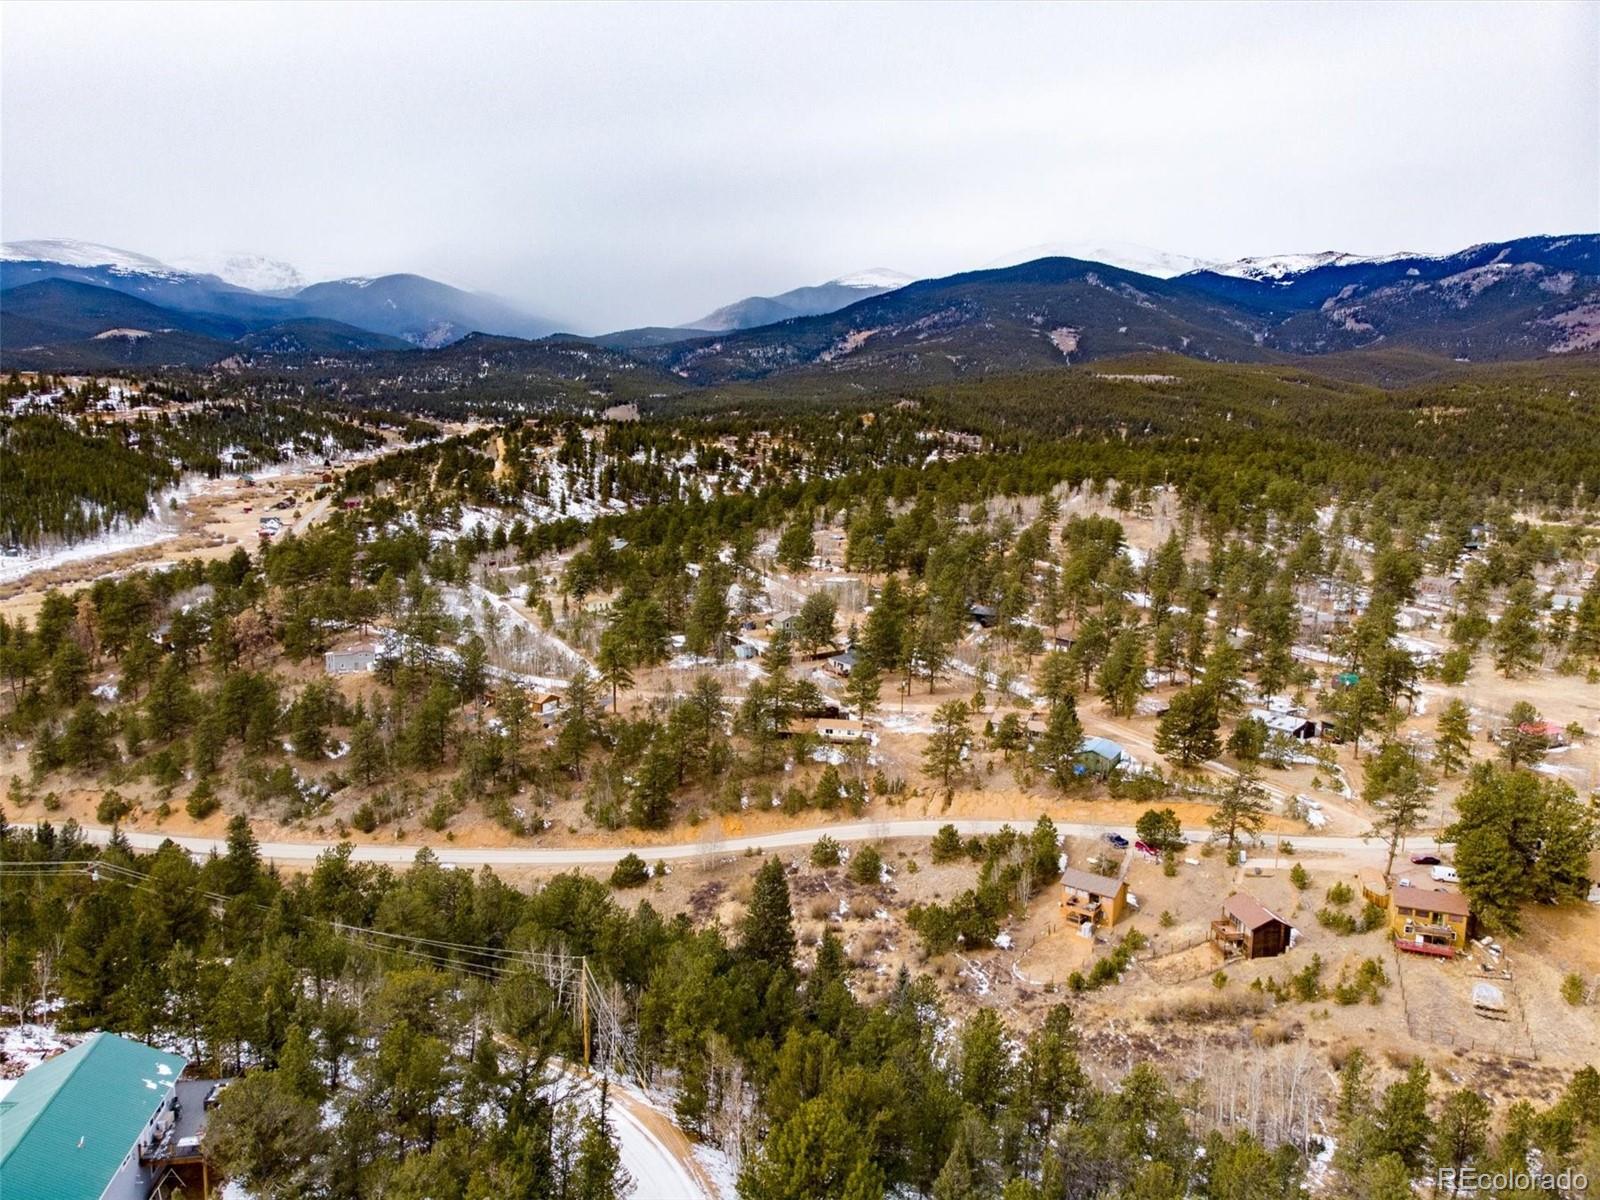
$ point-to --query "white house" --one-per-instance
(353, 660)
(841, 729)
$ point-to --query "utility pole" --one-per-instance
(583, 991)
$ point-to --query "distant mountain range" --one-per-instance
(67, 305)
(754, 311)
(1520, 299)
(420, 311)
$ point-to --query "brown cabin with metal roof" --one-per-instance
(1249, 929)
(1096, 899)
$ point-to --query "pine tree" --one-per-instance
(1516, 634)
(598, 1174)
(969, 1170)
(1397, 789)
(297, 1066)
(1187, 732)
(1400, 1125)
(1520, 838)
(1460, 1133)
(1056, 751)
(768, 930)
(1453, 740)
(580, 722)
(241, 865)
(69, 673)
(1242, 811)
(1522, 740)
(1121, 676)
(367, 752)
(819, 1153)
(814, 625)
(985, 1063)
(862, 688)
(613, 665)
(796, 547)
(941, 756)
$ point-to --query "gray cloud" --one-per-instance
(616, 164)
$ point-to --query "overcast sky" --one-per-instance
(614, 165)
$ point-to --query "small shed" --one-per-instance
(985, 615)
(841, 664)
(353, 660)
(1552, 734)
(1249, 929)
(1096, 899)
(1100, 756)
(1374, 886)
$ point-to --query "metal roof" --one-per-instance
(67, 1125)
(1249, 911)
(1104, 747)
(1087, 881)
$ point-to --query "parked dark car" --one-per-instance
(1117, 840)
(1425, 860)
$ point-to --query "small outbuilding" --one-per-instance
(1374, 886)
(841, 664)
(1249, 929)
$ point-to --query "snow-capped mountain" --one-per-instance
(254, 271)
(878, 278)
(253, 292)
(1130, 256)
(812, 301)
(69, 253)
(1276, 267)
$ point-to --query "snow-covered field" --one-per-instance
(162, 525)
(23, 1047)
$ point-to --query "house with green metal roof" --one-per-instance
(79, 1126)
(1100, 756)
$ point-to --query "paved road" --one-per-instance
(1369, 850)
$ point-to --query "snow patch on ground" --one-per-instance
(23, 1047)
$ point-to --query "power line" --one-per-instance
(572, 982)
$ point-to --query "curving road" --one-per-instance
(1369, 849)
